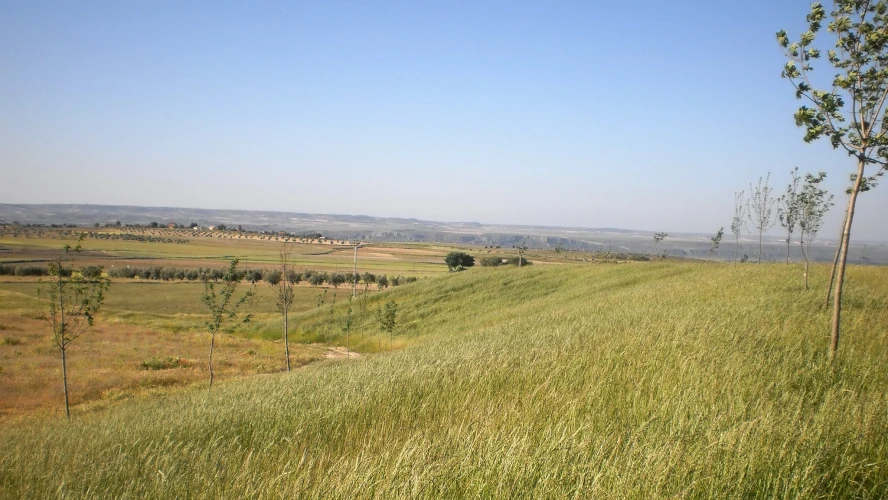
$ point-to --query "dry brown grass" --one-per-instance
(105, 364)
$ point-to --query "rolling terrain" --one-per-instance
(651, 379)
(389, 229)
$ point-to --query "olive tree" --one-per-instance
(848, 109)
(457, 261)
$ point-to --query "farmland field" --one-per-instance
(641, 380)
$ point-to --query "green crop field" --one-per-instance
(643, 380)
(38, 246)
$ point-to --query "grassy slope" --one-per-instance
(649, 380)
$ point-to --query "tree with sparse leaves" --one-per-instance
(716, 240)
(760, 209)
(788, 208)
(223, 307)
(738, 224)
(813, 205)
(282, 283)
(849, 108)
(658, 237)
(71, 301)
(387, 319)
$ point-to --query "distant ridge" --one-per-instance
(370, 228)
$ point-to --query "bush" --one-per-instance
(91, 272)
(272, 276)
(337, 279)
(491, 261)
(30, 271)
(513, 261)
(163, 363)
(457, 261)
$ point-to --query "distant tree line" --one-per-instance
(86, 272)
(134, 237)
(269, 276)
(500, 261)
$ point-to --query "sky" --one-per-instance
(641, 115)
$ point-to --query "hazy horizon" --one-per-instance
(770, 235)
(567, 114)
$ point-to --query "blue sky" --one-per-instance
(644, 115)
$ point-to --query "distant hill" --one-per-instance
(365, 227)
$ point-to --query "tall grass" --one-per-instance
(631, 381)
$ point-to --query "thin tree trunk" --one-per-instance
(760, 247)
(843, 260)
(804, 256)
(737, 247)
(62, 344)
(806, 274)
(287, 335)
(65, 383)
(788, 241)
(212, 344)
(832, 274)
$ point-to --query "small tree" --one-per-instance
(813, 205)
(716, 240)
(347, 325)
(71, 302)
(362, 308)
(457, 261)
(522, 249)
(658, 237)
(332, 317)
(760, 209)
(223, 307)
(738, 224)
(283, 290)
(788, 208)
(858, 125)
(387, 319)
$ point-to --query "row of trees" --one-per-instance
(270, 276)
(134, 237)
(72, 298)
(458, 261)
(800, 209)
(848, 110)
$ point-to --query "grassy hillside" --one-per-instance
(637, 380)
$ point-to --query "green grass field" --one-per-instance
(648, 380)
(405, 259)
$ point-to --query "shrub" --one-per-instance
(164, 363)
(30, 271)
(317, 279)
(491, 261)
(513, 261)
(457, 261)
